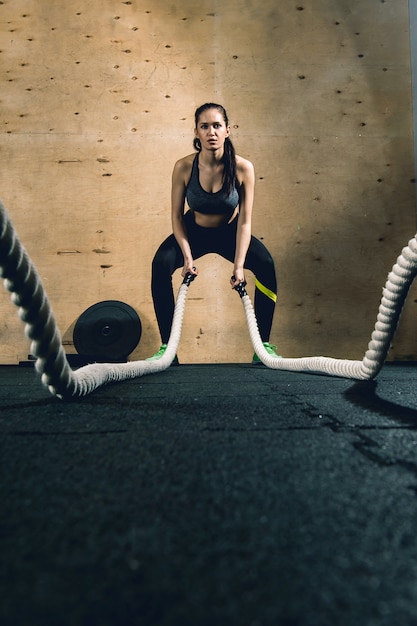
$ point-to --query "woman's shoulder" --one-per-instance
(184, 165)
(185, 162)
(244, 167)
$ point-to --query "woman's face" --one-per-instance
(212, 130)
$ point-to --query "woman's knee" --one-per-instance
(269, 269)
(163, 263)
(263, 266)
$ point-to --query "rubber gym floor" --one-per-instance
(210, 495)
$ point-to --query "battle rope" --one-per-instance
(393, 298)
(22, 280)
(27, 292)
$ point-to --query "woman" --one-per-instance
(218, 186)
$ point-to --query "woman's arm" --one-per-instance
(246, 178)
(180, 177)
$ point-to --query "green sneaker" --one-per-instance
(161, 353)
(270, 348)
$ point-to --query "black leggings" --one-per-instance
(222, 240)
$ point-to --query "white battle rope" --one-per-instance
(22, 280)
(393, 297)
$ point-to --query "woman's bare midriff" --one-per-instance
(213, 221)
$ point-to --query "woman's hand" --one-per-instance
(189, 268)
(237, 278)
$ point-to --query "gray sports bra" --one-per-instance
(218, 203)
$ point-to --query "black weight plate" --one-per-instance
(107, 331)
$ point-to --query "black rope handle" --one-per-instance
(240, 288)
(188, 278)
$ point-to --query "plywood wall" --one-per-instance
(96, 104)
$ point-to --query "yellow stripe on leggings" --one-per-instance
(270, 294)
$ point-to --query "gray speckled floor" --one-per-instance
(174, 500)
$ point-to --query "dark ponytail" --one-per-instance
(229, 157)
